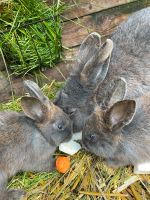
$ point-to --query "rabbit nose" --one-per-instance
(68, 130)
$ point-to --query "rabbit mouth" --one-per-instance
(68, 137)
(84, 146)
(87, 148)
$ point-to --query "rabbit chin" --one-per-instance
(89, 148)
(57, 141)
(101, 151)
(68, 137)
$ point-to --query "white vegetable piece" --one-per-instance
(77, 136)
(71, 147)
(142, 168)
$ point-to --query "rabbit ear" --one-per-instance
(114, 91)
(119, 91)
(89, 47)
(35, 91)
(96, 67)
(120, 114)
(34, 109)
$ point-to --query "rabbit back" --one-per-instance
(131, 55)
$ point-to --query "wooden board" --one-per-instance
(75, 32)
(103, 22)
(79, 8)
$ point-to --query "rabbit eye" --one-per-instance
(60, 127)
(72, 111)
(92, 137)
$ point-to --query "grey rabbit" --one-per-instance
(28, 139)
(130, 59)
(121, 132)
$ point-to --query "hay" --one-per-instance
(88, 178)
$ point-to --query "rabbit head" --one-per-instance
(102, 132)
(90, 69)
(55, 125)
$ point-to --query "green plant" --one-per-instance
(30, 35)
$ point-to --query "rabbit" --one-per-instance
(119, 133)
(28, 139)
(130, 59)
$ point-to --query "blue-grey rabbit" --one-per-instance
(130, 59)
(121, 132)
(29, 139)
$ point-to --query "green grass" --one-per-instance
(88, 178)
(30, 43)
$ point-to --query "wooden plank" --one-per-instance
(79, 8)
(75, 32)
(59, 73)
(70, 55)
(104, 22)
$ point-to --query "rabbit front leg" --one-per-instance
(49, 164)
(44, 164)
(52, 163)
(119, 161)
(39, 156)
(112, 162)
(3, 180)
(10, 194)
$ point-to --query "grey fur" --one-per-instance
(28, 140)
(130, 59)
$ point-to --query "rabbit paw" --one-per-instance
(52, 164)
(113, 163)
(15, 194)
